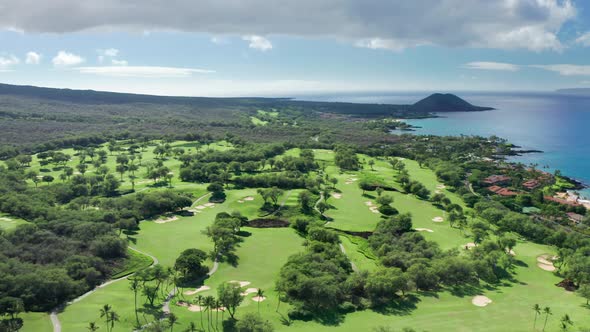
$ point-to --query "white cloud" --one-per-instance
(142, 71)
(385, 44)
(506, 24)
(64, 58)
(110, 52)
(486, 65)
(258, 43)
(8, 61)
(584, 39)
(116, 62)
(566, 69)
(33, 58)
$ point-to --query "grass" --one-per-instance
(36, 322)
(135, 262)
(8, 222)
(258, 122)
(264, 251)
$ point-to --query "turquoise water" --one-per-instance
(555, 124)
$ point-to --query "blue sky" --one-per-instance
(269, 48)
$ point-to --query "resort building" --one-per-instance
(496, 179)
(502, 191)
(576, 218)
(561, 201)
(531, 184)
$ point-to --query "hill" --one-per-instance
(439, 102)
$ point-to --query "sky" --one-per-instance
(293, 47)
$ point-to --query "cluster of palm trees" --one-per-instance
(110, 316)
(565, 321)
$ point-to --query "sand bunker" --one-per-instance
(242, 283)
(374, 209)
(441, 186)
(424, 230)
(438, 219)
(249, 198)
(369, 203)
(200, 207)
(210, 205)
(481, 301)
(469, 245)
(511, 252)
(249, 291)
(241, 201)
(165, 220)
(258, 298)
(200, 289)
(545, 262)
(437, 191)
(337, 195)
(195, 308)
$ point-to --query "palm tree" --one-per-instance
(547, 312)
(260, 294)
(172, 319)
(199, 301)
(192, 327)
(217, 306)
(135, 286)
(566, 322)
(104, 312)
(537, 309)
(113, 317)
(92, 327)
(209, 304)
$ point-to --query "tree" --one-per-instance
(253, 323)
(537, 310)
(121, 169)
(92, 327)
(565, 322)
(230, 295)
(190, 264)
(135, 286)
(372, 163)
(322, 207)
(192, 327)
(260, 294)
(172, 320)
(384, 200)
(209, 303)
(33, 176)
(365, 186)
(105, 312)
(547, 312)
(305, 201)
(584, 292)
(113, 317)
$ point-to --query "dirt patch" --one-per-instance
(438, 219)
(241, 201)
(268, 223)
(198, 290)
(337, 195)
(165, 220)
(424, 230)
(568, 285)
(242, 283)
(481, 301)
(258, 298)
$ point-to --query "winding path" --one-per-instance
(53, 315)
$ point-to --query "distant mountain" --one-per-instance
(575, 91)
(439, 102)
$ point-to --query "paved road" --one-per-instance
(53, 315)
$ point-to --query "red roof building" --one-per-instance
(531, 184)
(561, 201)
(495, 179)
(502, 191)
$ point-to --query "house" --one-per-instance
(496, 179)
(502, 191)
(531, 184)
(576, 218)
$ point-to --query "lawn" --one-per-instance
(8, 222)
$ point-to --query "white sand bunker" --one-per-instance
(241, 201)
(424, 230)
(374, 209)
(511, 252)
(441, 186)
(469, 245)
(242, 283)
(200, 289)
(437, 191)
(481, 301)
(165, 220)
(337, 195)
(545, 262)
(200, 207)
(195, 308)
(209, 205)
(249, 198)
(438, 219)
(249, 291)
(258, 298)
(369, 203)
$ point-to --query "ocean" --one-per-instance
(558, 125)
